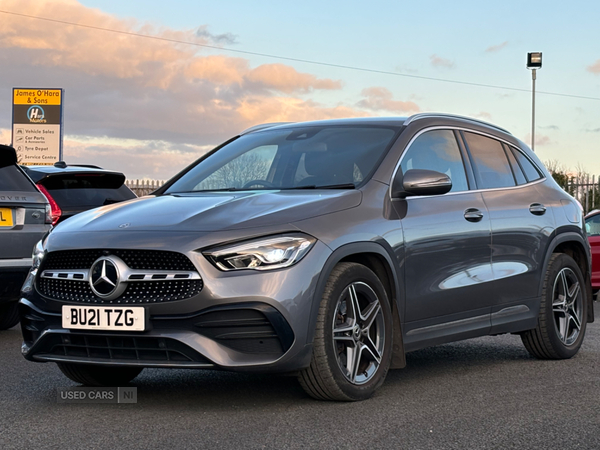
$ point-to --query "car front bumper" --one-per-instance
(246, 321)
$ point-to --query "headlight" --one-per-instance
(38, 254)
(262, 254)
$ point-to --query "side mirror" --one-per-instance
(420, 182)
(8, 156)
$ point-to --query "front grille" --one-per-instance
(119, 349)
(135, 259)
(56, 286)
(139, 292)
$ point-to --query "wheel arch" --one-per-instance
(378, 257)
(574, 245)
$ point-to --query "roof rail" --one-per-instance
(262, 127)
(452, 116)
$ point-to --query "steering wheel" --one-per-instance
(264, 183)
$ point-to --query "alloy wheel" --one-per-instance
(567, 306)
(358, 333)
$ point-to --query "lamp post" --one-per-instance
(534, 62)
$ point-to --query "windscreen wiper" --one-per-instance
(328, 186)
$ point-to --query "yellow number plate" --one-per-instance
(6, 219)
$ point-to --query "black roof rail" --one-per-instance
(452, 116)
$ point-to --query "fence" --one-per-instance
(586, 189)
(143, 187)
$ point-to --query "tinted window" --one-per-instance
(516, 168)
(489, 162)
(592, 225)
(87, 190)
(530, 170)
(291, 158)
(12, 179)
(437, 150)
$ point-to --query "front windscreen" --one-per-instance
(291, 158)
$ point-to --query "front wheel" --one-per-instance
(353, 337)
(563, 312)
(92, 375)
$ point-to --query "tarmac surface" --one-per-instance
(485, 393)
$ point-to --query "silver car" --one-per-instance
(24, 219)
(326, 249)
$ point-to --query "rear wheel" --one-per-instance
(353, 337)
(9, 315)
(563, 312)
(92, 375)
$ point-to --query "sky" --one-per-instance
(149, 86)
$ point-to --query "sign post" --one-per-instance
(37, 125)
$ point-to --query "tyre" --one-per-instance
(92, 375)
(353, 337)
(563, 312)
(9, 315)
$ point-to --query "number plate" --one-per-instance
(103, 318)
(6, 219)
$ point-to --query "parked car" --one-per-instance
(71, 189)
(24, 218)
(592, 227)
(328, 249)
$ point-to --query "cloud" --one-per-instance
(224, 38)
(550, 127)
(286, 79)
(137, 159)
(146, 90)
(593, 130)
(496, 48)
(381, 99)
(594, 68)
(437, 61)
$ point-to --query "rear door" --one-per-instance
(521, 226)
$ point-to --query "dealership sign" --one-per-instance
(37, 125)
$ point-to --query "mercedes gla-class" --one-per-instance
(326, 249)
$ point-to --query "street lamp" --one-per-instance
(534, 62)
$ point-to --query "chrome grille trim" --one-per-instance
(76, 275)
(129, 275)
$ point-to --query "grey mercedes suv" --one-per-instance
(326, 249)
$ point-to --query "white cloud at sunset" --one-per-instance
(128, 87)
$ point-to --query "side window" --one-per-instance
(530, 170)
(489, 162)
(592, 225)
(437, 150)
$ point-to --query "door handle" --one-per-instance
(473, 215)
(537, 209)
